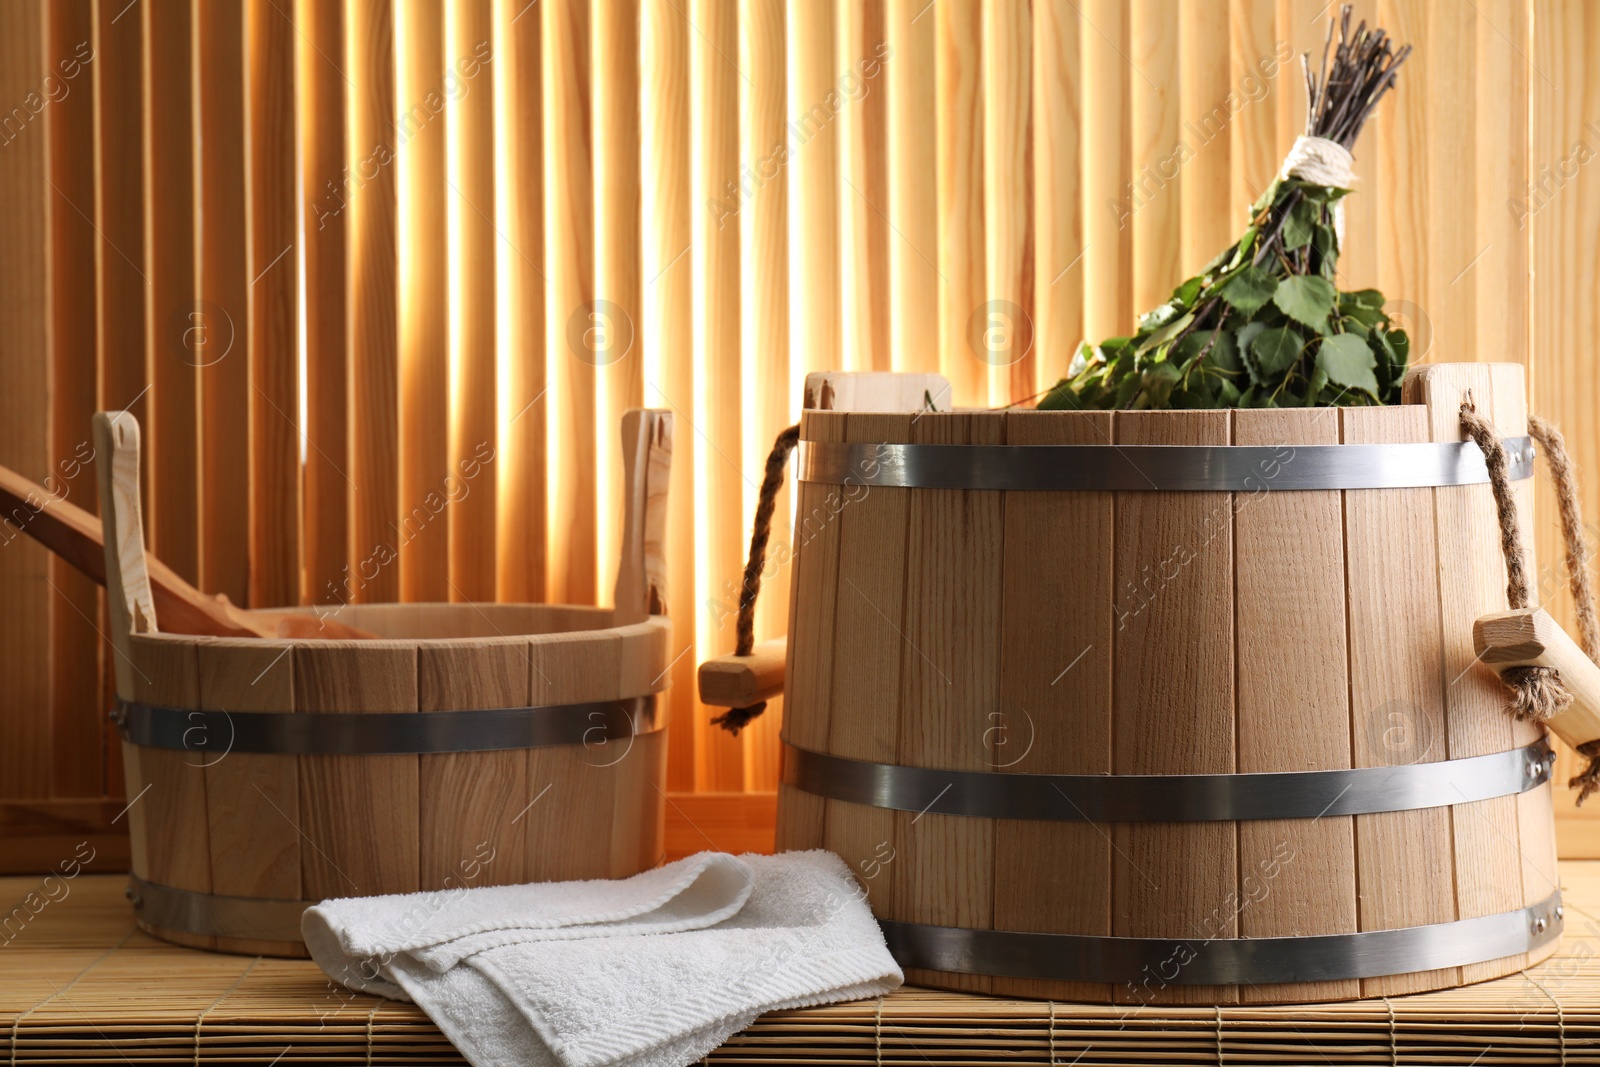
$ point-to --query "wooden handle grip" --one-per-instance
(739, 681)
(1531, 638)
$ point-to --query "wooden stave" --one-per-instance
(170, 674)
(1531, 810)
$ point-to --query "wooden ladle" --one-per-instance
(77, 537)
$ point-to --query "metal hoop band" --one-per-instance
(386, 733)
(1172, 797)
(247, 918)
(1163, 468)
(1156, 961)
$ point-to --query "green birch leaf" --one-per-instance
(1224, 354)
(1301, 224)
(1305, 298)
(1348, 362)
(1275, 351)
(1249, 290)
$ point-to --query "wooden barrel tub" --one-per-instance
(470, 745)
(1195, 726)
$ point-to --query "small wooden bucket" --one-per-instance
(1100, 718)
(471, 745)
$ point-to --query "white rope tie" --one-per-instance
(1322, 162)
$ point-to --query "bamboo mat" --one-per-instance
(79, 984)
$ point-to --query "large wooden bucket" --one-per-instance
(474, 744)
(1198, 725)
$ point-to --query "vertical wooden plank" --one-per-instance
(913, 187)
(1536, 843)
(77, 758)
(1008, 344)
(1500, 276)
(252, 798)
(863, 184)
(1202, 139)
(359, 814)
(1471, 583)
(619, 374)
(1396, 692)
(815, 157)
(1297, 877)
(764, 315)
(1404, 134)
(373, 383)
(165, 671)
(1253, 154)
(813, 599)
(950, 686)
(565, 780)
(171, 432)
(427, 284)
(869, 612)
(719, 543)
(668, 338)
(274, 542)
(1107, 162)
(24, 420)
(958, 89)
(569, 127)
(326, 218)
(518, 68)
(1173, 700)
(1449, 93)
(473, 354)
(216, 330)
(1058, 210)
(469, 799)
(1054, 715)
(1152, 198)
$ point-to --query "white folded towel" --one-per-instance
(657, 970)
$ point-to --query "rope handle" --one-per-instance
(1537, 692)
(735, 719)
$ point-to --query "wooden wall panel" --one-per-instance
(413, 300)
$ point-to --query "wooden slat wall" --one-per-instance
(489, 193)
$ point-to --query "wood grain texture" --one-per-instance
(521, 544)
(1058, 214)
(175, 830)
(863, 184)
(719, 484)
(216, 333)
(1054, 713)
(668, 334)
(427, 345)
(565, 780)
(569, 169)
(325, 495)
(813, 600)
(1297, 877)
(813, 76)
(252, 798)
(950, 686)
(864, 702)
(963, 284)
(766, 375)
(1396, 692)
(619, 374)
(1173, 700)
(1204, 55)
(1152, 202)
(77, 759)
(359, 813)
(1107, 163)
(372, 473)
(1007, 50)
(911, 74)
(172, 337)
(274, 311)
(474, 357)
(469, 799)
(1472, 583)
